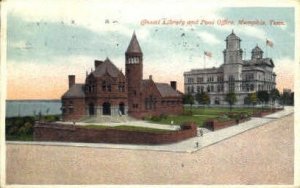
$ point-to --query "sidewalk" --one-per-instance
(188, 145)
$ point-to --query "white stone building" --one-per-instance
(235, 74)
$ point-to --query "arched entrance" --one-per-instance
(91, 109)
(122, 108)
(106, 108)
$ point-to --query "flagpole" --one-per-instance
(266, 48)
(204, 59)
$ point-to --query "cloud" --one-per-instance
(106, 16)
(208, 38)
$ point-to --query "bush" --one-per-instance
(50, 118)
(26, 129)
(21, 128)
(234, 116)
(187, 113)
(223, 117)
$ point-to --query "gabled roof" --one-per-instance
(166, 90)
(134, 46)
(76, 91)
(106, 67)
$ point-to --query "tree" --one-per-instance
(231, 99)
(253, 99)
(247, 100)
(274, 95)
(263, 96)
(287, 98)
(202, 98)
(188, 99)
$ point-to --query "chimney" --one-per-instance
(71, 80)
(150, 77)
(97, 63)
(173, 85)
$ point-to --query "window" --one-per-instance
(210, 79)
(190, 80)
(199, 79)
(220, 78)
(64, 110)
(106, 86)
(249, 77)
(121, 87)
(103, 86)
(231, 83)
(219, 88)
(150, 102)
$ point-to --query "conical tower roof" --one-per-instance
(257, 49)
(134, 46)
(232, 36)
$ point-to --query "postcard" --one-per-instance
(149, 93)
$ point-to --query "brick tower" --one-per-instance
(134, 75)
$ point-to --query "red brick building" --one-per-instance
(107, 91)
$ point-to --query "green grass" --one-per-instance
(205, 114)
(128, 128)
(178, 120)
(96, 127)
(20, 138)
(217, 111)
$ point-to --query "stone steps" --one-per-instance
(107, 119)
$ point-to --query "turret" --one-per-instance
(134, 72)
(257, 53)
(233, 52)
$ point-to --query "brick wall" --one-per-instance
(70, 133)
(215, 125)
(75, 108)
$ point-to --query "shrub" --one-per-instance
(187, 113)
(223, 117)
(27, 128)
(163, 116)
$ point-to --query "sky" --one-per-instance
(48, 40)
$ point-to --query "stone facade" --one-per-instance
(235, 74)
(107, 91)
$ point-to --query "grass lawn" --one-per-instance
(199, 115)
(218, 111)
(128, 128)
(20, 138)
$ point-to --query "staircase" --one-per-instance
(107, 119)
